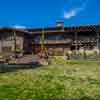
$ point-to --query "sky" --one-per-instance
(45, 13)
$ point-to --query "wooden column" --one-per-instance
(1, 45)
(97, 39)
(42, 41)
(98, 46)
(84, 55)
(14, 36)
(76, 41)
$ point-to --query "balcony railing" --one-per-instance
(55, 42)
(68, 41)
(84, 41)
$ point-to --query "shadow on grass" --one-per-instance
(14, 67)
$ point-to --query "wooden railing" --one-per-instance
(84, 42)
(56, 42)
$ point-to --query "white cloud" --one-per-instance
(68, 15)
(73, 12)
(19, 26)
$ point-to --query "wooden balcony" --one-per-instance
(68, 41)
(56, 42)
(82, 42)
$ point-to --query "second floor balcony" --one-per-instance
(68, 41)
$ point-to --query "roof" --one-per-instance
(82, 28)
(11, 29)
(55, 29)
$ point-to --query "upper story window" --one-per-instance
(37, 39)
(7, 36)
(10, 38)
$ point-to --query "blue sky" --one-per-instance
(44, 13)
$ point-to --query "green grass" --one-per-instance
(76, 80)
(59, 60)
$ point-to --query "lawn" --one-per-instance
(76, 80)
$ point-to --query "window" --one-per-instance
(7, 49)
(7, 37)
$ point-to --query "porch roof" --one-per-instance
(81, 28)
(11, 29)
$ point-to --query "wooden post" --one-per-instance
(42, 40)
(76, 42)
(1, 44)
(43, 48)
(84, 54)
(97, 33)
(14, 36)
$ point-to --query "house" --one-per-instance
(60, 39)
(55, 40)
(14, 40)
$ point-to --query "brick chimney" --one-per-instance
(59, 24)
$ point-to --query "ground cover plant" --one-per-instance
(68, 80)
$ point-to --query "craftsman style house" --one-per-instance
(60, 39)
(52, 39)
(14, 40)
